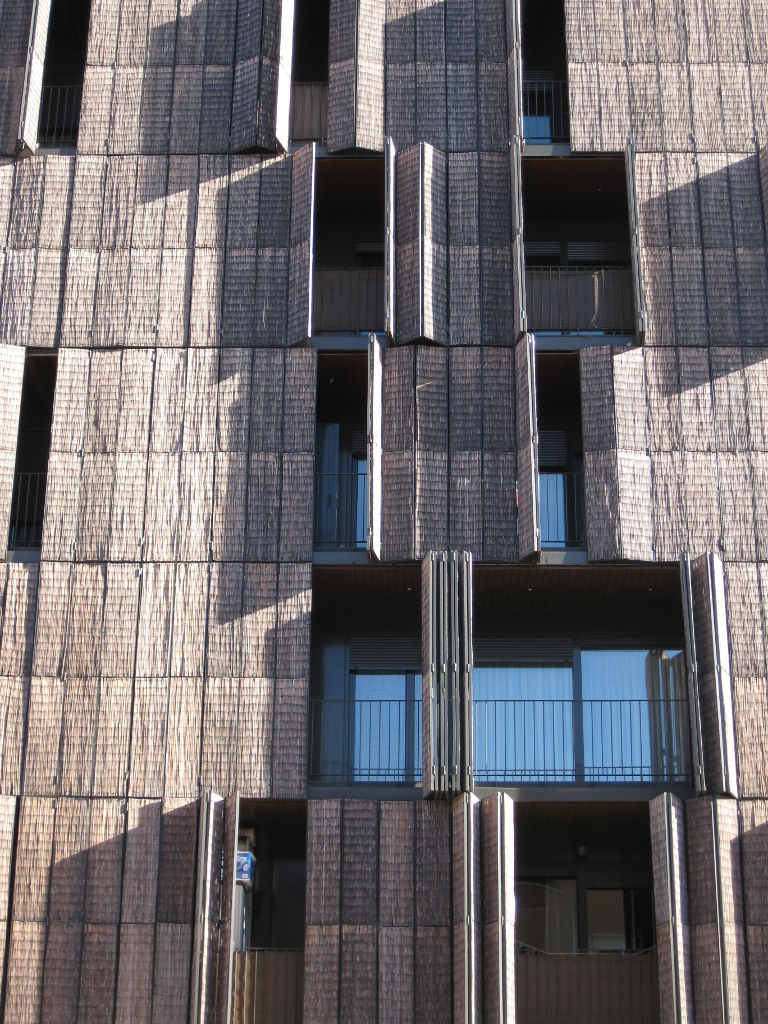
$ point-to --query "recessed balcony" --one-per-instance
(584, 299)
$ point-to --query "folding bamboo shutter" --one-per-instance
(529, 532)
(498, 909)
(430, 681)
(634, 236)
(390, 160)
(33, 80)
(467, 906)
(356, 75)
(302, 244)
(375, 375)
(670, 887)
(446, 601)
(686, 586)
(515, 86)
(206, 940)
(710, 670)
(226, 942)
(617, 467)
(11, 381)
(421, 255)
(262, 87)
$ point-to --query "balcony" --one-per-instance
(27, 507)
(268, 986)
(545, 112)
(561, 499)
(365, 741)
(579, 299)
(309, 112)
(60, 114)
(341, 510)
(587, 988)
(516, 742)
(349, 300)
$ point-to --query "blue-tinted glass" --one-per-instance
(385, 727)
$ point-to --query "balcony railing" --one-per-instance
(309, 112)
(27, 507)
(268, 986)
(365, 741)
(579, 299)
(516, 742)
(349, 299)
(581, 741)
(561, 498)
(587, 988)
(341, 516)
(545, 112)
(60, 114)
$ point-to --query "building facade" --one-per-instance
(384, 476)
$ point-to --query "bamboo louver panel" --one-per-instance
(396, 867)
(26, 959)
(323, 862)
(78, 736)
(498, 872)
(148, 737)
(300, 274)
(136, 956)
(255, 768)
(142, 846)
(19, 590)
(321, 973)
(356, 75)
(46, 701)
(69, 862)
(464, 247)
(716, 904)
(467, 909)
(171, 973)
(431, 526)
(398, 435)
(97, 977)
(359, 869)
(112, 736)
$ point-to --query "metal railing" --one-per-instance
(581, 741)
(587, 988)
(268, 986)
(341, 511)
(60, 114)
(309, 112)
(27, 507)
(349, 299)
(545, 112)
(579, 299)
(515, 741)
(561, 500)
(365, 741)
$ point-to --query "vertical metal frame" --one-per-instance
(518, 247)
(228, 882)
(686, 586)
(209, 859)
(33, 75)
(466, 659)
(634, 236)
(429, 674)
(390, 166)
(529, 525)
(375, 379)
(722, 663)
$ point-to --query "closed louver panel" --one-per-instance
(375, 383)
(33, 81)
(431, 643)
(262, 87)
(670, 892)
(11, 380)
(518, 253)
(421, 258)
(209, 852)
(467, 910)
(528, 530)
(356, 75)
(389, 236)
(617, 468)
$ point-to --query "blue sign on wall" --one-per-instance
(246, 863)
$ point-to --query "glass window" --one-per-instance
(384, 727)
(546, 914)
(635, 715)
(619, 919)
(523, 721)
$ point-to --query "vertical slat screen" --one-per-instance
(421, 254)
(429, 683)
(670, 886)
(262, 84)
(390, 163)
(465, 659)
(529, 532)
(300, 281)
(375, 381)
(209, 851)
(518, 251)
(467, 905)
(356, 75)
(225, 975)
(33, 81)
(709, 658)
(498, 909)
(11, 381)
(686, 587)
(634, 236)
